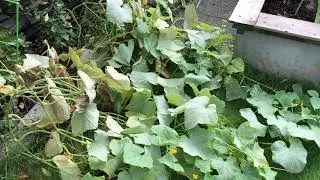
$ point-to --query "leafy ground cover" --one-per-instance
(148, 99)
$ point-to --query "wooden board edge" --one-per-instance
(247, 11)
(289, 26)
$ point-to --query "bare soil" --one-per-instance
(290, 8)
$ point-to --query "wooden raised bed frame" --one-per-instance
(283, 46)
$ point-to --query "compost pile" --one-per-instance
(122, 91)
(297, 9)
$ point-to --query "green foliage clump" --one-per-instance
(151, 100)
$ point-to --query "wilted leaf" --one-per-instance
(122, 79)
(68, 169)
(58, 110)
(113, 125)
(293, 158)
(34, 60)
(86, 120)
(89, 86)
(53, 146)
(119, 13)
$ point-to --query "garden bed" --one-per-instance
(284, 46)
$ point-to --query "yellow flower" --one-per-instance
(195, 176)
(172, 151)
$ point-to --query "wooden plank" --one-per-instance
(247, 11)
(289, 26)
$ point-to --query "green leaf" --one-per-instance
(227, 169)
(224, 56)
(167, 40)
(203, 165)
(144, 79)
(100, 147)
(198, 111)
(166, 6)
(282, 124)
(116, 146)
(311, 132)
(255, 154)
(234, 90)
(171, 162)
(140, 65)
(190, 17)
(163, 113)
(142, 104)
(196, 80)
(297, 88)
(142, 26)
(137, 156)
(86, 120)
(286, 99)
(88, 176)
(313, 93)
(150, 43)
(197, 143)
(267, 173)
(236, 66)
(108, 167)
(123, 53)
(68, 169)
(293, 158)
(249, 172)
(315, 100)
(221, 139)
(263, 101)
(199, 38)
(249, 115)
(53, 146)
(165, 135)
(119, 13)
(175, 96)
(290, 116)
(178, 59)
(144, 139)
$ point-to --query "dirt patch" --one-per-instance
(297, 9)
